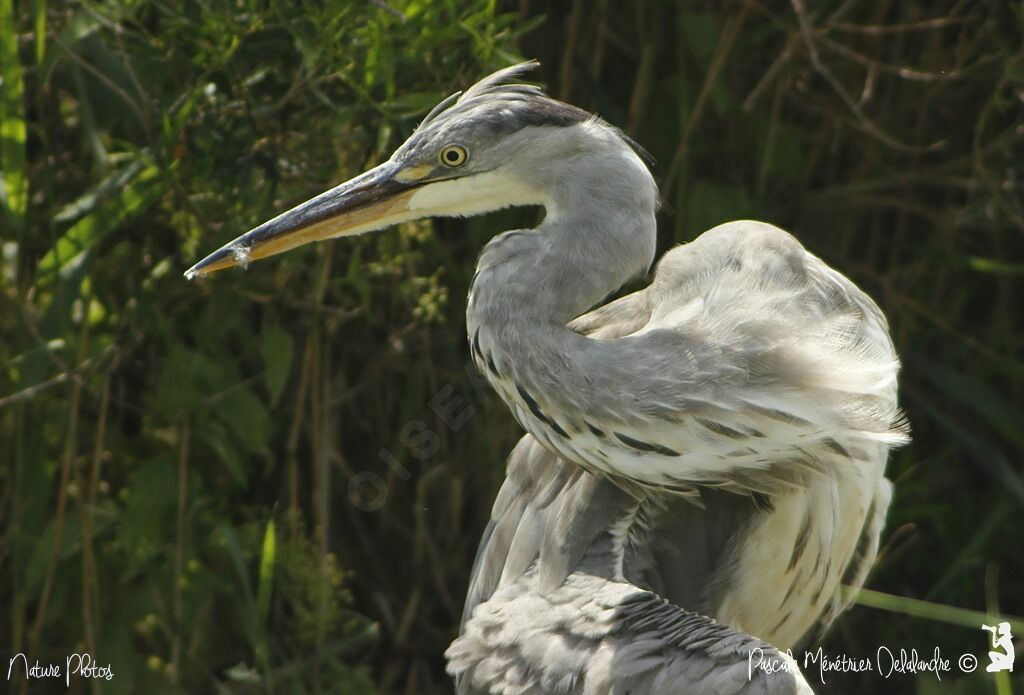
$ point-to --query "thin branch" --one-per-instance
(880, 30)
(862, 119)
(772, 72)
(397, 14)
(70, 447)
(86, 509)
(906, 73)
(75, 374)
(107, 82)
(184, 436)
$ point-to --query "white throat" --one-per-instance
(474, 195)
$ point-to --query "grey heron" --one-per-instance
(704, 463)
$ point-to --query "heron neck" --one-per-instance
(529, 284)
(552, 274)
(599, 232)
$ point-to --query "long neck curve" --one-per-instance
(599, 232)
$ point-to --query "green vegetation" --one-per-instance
(252, 483)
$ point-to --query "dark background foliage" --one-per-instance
(275, 480)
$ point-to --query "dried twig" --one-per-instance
(862, 119)
(880, 30)
(107, 82)
(81, 370)
(906, 73)
(772, 72)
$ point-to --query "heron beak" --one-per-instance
(373, 200)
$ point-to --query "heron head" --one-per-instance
(475, 152)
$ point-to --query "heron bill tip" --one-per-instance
(373, 200)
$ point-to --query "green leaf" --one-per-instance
(278, 349)
(14, 182)
(214, 435)
(79, 27)
(266, 573)
(39, 27)
(701, 34)
(998, 411)
(186, 378)
(134, 198)
(87, 203)
(979, 447)
(995, 266)
(246, 416)
(148, 517)
(226, 537)
(266, 581)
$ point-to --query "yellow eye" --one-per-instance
(454, 155)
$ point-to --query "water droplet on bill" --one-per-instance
(241, 254)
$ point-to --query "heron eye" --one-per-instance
(454, 156)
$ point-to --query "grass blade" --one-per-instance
(134, 198)
(14, 188)
(39, 27)
(267, 562)
(266, 582)
(931, 611)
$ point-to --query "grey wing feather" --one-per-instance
(596, 635)
(748, 362)
(616, 319)
(550, 611)
(862, 561)
(516, 515)
(597, 579)
(520, 518)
